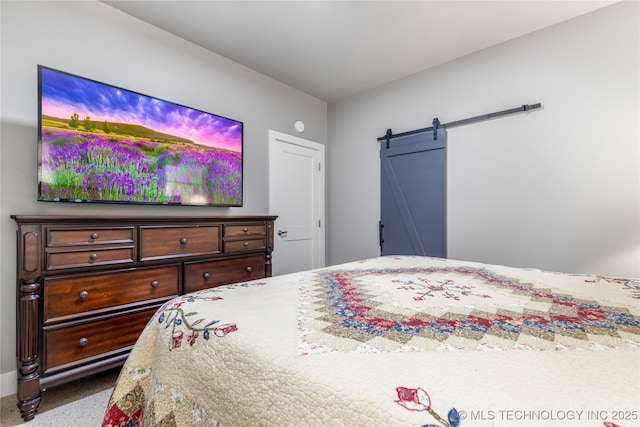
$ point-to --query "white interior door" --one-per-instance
(296, 195)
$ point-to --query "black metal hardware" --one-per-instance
(435, 125)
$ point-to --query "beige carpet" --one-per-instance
(79, 403)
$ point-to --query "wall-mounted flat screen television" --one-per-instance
(102, 143)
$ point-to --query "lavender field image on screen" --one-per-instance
(102, 143)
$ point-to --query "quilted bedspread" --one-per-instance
(391, 341)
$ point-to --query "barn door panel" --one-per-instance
(413, 195)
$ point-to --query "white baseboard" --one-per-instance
(8, 383)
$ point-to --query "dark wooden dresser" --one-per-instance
(87, 286)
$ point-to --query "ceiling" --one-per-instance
(334, 49)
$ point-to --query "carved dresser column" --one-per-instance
(29, 272)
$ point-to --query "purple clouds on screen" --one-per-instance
(65, 94)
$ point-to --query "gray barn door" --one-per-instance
(413, 196)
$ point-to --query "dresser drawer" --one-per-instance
(69, 296)
(88, 257)
(89, 236)
(244, 230)
(203, 275)
(245, 245)
(170, 242)
(74, 344)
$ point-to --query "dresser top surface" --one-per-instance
(137, 220)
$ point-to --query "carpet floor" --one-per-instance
(80, 403)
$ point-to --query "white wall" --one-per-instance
(556, 188)
(96, 41)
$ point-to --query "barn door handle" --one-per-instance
(380, 239)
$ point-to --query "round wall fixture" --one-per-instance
(299, 125)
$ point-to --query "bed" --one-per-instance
(391, 341)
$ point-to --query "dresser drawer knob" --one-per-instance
(84, 295)
(249, 269)
(155, 284)
(245, 244)
(246, 229)
(83, 342)
(94, 236)
(94, 256)
(206, 276)
(184, 241)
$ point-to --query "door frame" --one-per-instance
(320, 185)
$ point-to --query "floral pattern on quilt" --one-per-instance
(174, 316)
(185, 326)
(417, 399)
(455, 308)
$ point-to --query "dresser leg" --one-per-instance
(28, 390)
(28, 408)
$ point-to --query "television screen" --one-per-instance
(101, 143)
